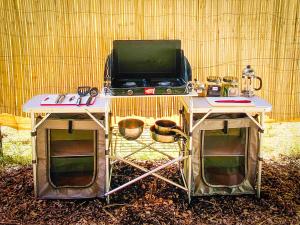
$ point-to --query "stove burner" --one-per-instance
(164, 83)
(129, 84)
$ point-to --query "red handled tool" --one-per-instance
(233, 101)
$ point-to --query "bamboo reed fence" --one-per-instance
(53, 46)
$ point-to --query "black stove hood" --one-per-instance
(138, 65)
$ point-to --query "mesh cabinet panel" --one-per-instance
(223, 155)
(71, 157)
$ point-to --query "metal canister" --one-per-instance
(230, 87)
(213, 86)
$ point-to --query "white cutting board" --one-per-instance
(211, 101)
(49, 100)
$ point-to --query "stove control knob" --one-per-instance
(169, 91)
(130, 92)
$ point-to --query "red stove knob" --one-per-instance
(149, 91)
(130, 92)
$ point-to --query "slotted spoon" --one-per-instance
(82, 91)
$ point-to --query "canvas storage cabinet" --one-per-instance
(70, 157)
(224, 154)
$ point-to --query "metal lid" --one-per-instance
(230, 79)
(215, 79)
(138, 59)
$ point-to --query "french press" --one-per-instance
(248, 82)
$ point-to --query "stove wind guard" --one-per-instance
(133, 69)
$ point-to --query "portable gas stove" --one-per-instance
(152, 67)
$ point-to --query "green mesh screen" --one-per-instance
(71, 157)
(224, 156)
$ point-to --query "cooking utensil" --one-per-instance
(233, 101)
(93, 93)
(165, 127)
(82, 91)
(72, 98)
(164, 138)
(131, 129)
(60, 98)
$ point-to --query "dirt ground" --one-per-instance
(152, 201)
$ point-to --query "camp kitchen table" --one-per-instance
(101, 105)
(200, 105)
(192, 105)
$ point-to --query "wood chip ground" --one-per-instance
(152, 201)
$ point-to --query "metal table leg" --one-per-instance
(190, 147)
(34, 158)
(262, 121)
(107, 153)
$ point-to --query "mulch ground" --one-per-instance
(152, 201)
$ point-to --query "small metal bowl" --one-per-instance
(163, 138)
(164, 126)
(131, 129)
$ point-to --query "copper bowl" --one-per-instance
(163, 138)
(164, 126)
(131, 129)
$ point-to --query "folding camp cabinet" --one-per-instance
(68, 149)
(225, 145)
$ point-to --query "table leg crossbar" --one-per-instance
(154, 174)
(182, 155)
(151, 172)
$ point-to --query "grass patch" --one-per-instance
(16, 147)
(281, 139)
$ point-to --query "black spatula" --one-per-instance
(82, 91)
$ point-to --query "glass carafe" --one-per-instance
(248, 78)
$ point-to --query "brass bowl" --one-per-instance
(163, 138)
(131, 129)
(164, 126)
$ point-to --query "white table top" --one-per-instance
(201, 105)
(101, 105)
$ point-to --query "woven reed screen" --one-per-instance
(53, 46)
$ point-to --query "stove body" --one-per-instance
(150, 67)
